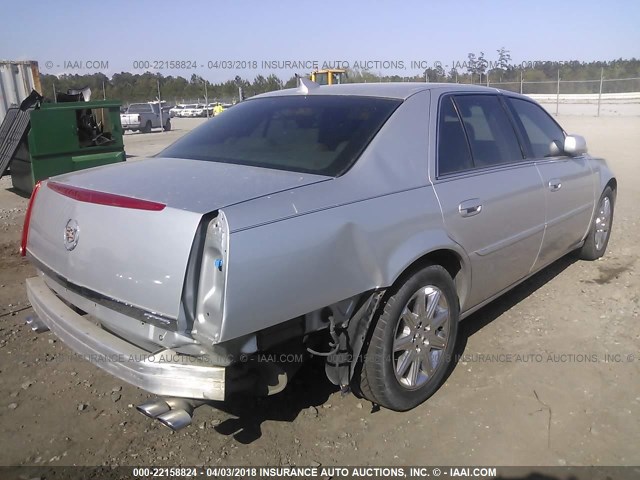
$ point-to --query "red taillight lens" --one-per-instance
(101, 198)
(27, 220)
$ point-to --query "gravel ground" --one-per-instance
(550, 398)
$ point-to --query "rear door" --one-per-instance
(568, 181)
(492, 199)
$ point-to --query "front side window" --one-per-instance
(316, 134)
(491, 135)
(539, 128)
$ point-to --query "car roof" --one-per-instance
(398, 90)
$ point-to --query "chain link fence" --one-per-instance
(603, 96)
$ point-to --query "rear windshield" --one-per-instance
(139, 108)
(323, 135)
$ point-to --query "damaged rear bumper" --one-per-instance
(164, 373)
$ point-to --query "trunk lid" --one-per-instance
(137, 256)
(194, 185)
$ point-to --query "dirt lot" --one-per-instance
(551, 398)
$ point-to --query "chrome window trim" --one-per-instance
(485, 170)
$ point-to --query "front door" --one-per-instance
(568, 181)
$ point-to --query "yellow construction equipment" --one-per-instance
(329, 76)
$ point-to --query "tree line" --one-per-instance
(131, 87)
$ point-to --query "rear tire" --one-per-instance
(597, 239)
(147, 127)
(411, 345)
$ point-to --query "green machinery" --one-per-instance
(38, 142)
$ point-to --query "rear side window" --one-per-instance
(316, 134)
(453, 149)
(491, 135)
(539, 128)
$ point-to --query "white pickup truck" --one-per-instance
(144, 117)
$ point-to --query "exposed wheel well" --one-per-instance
(451, 262)
(613, 183)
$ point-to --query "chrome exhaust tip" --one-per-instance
(171, 412)
(36, 324)
(154, 408)
(175, 419)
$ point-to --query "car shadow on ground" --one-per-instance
(310, 389)
(306, 393)
(487, 314)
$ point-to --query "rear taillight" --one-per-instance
(213, 279)
(27, 220)
(101, 198)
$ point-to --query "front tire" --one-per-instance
(167, 126)
(412, 341)
(597, 239)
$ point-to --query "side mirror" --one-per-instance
(575, 145)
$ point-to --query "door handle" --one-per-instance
(469, 208)
(555, 184)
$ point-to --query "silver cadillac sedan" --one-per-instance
(356, 222)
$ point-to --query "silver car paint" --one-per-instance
(503, 240)
(570, 199)
(343, 237)
(163, 372)
(134, 256)
(385, 167)
(210, 185)
(325, 257)
(139, 333)
(567, 212)
(299, 242)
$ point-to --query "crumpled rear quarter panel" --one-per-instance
(301, 250)
(285, 269)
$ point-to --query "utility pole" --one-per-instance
(160, 107)
(558, 94)
(521, 81)
(600, 92)
(206, 98)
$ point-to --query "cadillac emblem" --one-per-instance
(71, 235)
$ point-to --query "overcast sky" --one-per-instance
(123, 32)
